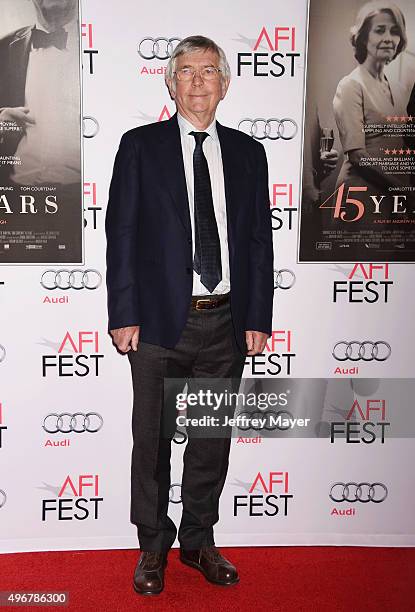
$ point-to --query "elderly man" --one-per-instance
(190, 289)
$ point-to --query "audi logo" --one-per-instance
(284, 278)
(175, 498)
(271, 129)
(363, 492)
(90, 127)
(365, 351)
(182, 437)
(76, 423)
(261, 414)
(157, 48)
(3, 498)
(2, 353)
(71, 279)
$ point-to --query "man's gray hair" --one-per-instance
(197, 43)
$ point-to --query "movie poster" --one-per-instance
(41, 218)
(358, 180)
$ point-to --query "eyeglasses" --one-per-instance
(209, 73)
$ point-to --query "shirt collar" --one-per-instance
(186, 127)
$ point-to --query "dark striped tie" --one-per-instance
(207, 259)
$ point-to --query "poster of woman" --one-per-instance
(359, 111)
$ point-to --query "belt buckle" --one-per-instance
(207, 300)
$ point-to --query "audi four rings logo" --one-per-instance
(2, 353)
(269, 425)
(363, 492)
(71, 279)
(157, 48)
(90, 127)
(365, 351)
(77, 422)
(175, 493)
(3, 498)
(284, 278)
(271, 129)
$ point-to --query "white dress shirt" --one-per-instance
(212, 151)
(50, 149)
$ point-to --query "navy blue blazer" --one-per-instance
(149, 238)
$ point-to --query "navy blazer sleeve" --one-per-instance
(261, 273)
(121, 226)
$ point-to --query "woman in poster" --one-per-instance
(366, 97)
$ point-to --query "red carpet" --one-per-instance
(303, 579)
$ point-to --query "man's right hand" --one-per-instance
(126, 338)
(19, 114)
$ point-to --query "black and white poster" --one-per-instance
(358, 181)
(41, 217)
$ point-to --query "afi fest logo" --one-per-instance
(277, 357)
(283, 213)
(3, 427)
(360, 426)
(274, 53)
(77, 499)
(162, 115)
(84, 362)
(268, 495)
(366, 283)
(92, 212)
(87, 36)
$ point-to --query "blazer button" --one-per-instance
(189, 270)
(189, 241)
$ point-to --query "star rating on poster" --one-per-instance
(396, 119)
(398, 151)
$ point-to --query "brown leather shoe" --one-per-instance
(213, 566)
(149, 573)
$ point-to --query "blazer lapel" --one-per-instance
(173, 170)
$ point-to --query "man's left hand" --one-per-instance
(255, 341)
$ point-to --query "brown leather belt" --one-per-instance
(207, 303)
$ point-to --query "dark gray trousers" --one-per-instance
(206, 349)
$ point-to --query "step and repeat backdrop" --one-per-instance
(343, 331)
